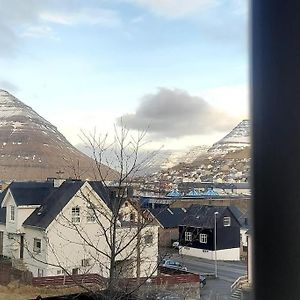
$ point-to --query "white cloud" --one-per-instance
(103, 17)
(41, 31)
(234, 100)
(175, 8)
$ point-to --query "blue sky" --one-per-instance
(84, 64)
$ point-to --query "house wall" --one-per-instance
(11, 226)
(32, 260)
(148, 252)
(232, 254)
(69, 244)
(22, 214)
(167, 235)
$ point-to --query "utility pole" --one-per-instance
(215, 244)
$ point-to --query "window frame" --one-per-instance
(188, 236)
(37, 249)
(75, 213)
(150, 237)
(203, 238)
(226, 221)
(12, 212)
(90, 218)
(86, 262)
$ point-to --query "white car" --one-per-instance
(175, 245)
(172, 264)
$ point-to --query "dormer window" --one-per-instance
(12, 213)
(76, 214)
(226, 221)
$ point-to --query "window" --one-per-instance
(40, 272)
(226, 221)
(148, 239)
(132, 217)
(91, 218)
(76, 214)
(37, 245)
(85, 262)
(188, 236)
(75, 271)
(203, 238)
(12, 213)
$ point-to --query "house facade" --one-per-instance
(197, 233)
(57, 227)
(168, 220)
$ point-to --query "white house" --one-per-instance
(56, 226)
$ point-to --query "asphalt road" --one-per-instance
(227, 271)
(215, 289)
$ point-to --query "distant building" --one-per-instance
(197, 233)
(168, 221)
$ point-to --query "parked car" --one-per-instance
(202, 281)
(175, 245)
(172, 264)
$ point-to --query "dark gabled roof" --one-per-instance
(53, 204)
(168, 217)
(203, 215)
(29, 193)
(102, 192)
(243, 218)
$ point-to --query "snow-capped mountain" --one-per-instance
(237, 139)
(31, 148)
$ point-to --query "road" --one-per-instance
(228, 271)
(219, 288)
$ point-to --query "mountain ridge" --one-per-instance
(31, 148)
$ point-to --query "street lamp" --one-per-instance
(215, 245)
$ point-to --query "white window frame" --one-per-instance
(91, 218)
(86, 262)
(12, 213)
(148, 239)
(203, 238)
(226, 221)
(40, 273)
(188, 236)
(37, 249)
(76, 214)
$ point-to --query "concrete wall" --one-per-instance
(227, 254)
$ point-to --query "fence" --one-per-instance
(97, 279)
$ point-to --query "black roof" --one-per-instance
(168, 217)
(29, 193)
(243, 218)
(102, 191)
(57, 200)
(53, 204)
(203, 215)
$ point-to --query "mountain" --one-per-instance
(237, 139)
(31, 148)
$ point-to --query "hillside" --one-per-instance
(31, 148)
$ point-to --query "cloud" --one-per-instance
(8, 86)
(34, 18)
(103, 17)
(175, 114)
(175, 8)
(39, 32)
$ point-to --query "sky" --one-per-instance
(178, 68)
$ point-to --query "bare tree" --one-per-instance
(120, 241)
